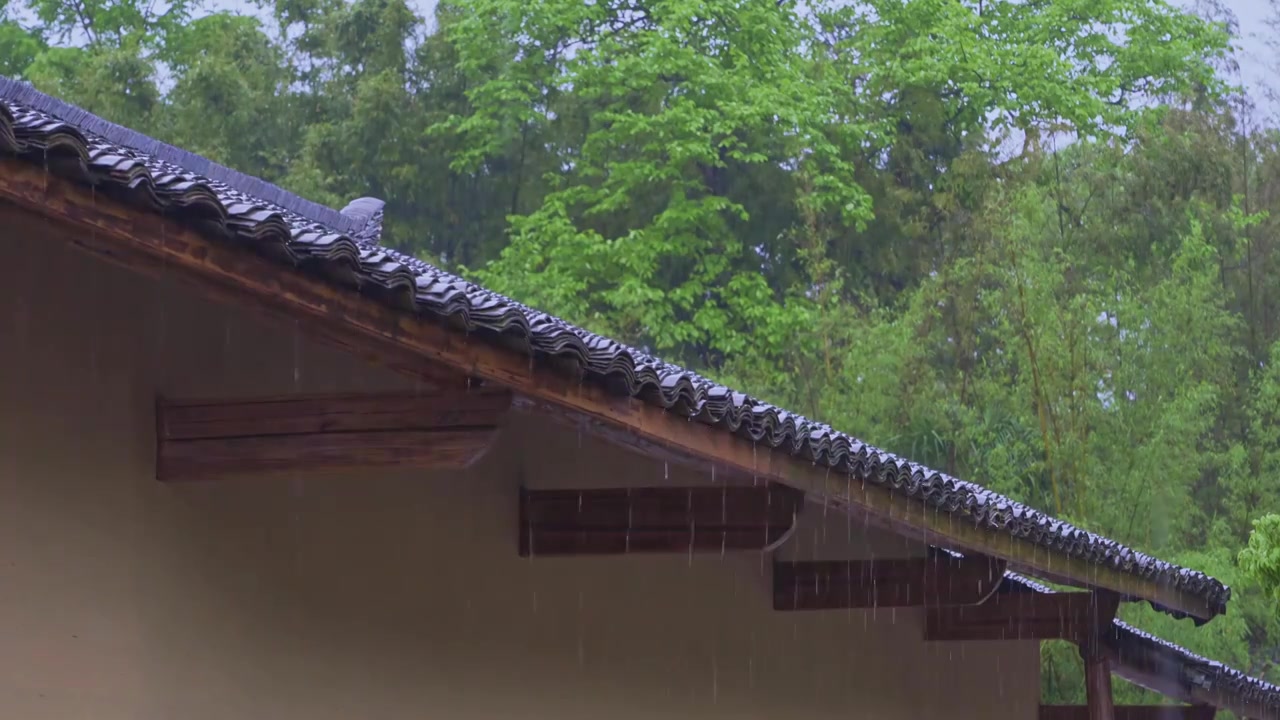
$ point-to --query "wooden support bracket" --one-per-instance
(1025, 616)
(205, 439)
(655, 520)
(915, 582)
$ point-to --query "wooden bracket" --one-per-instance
(1024, 616)
(655, 519)
(914, 582)
(197, 440)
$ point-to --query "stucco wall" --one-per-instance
(375, 595)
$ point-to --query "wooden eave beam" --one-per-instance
(1154, 671)
(1131, 712)
(151, 244)
(909, 582)
(1079, 617)
(435, 429)
(655, 520)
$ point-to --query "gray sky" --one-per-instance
(1255, 58)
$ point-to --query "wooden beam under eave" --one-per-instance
(1078, 617)
(1153, 669)
(443, 430)
(655, 520)
(906, 582)
(1131, 712)
(154, 245)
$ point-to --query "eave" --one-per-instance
(384, 329)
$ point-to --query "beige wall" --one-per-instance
(378, 595)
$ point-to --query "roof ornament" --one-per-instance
(367, 212)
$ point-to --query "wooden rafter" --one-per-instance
(1131, 712)
(914, 582)
(655, 519)
(149, 243)
(1152, 670)
(442, 429)
(1079, 617)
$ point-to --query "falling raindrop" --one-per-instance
(768, 514)
(825, 500)
(582, 650)
(692, 531)
(297, 370)
(630, 508)
(999, 678)
(532, 551)
(666, 470)
(715, 680)
(848, 514)
(161, 321)
(724, 520)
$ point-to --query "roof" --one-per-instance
(342, 245)
(1174, 671)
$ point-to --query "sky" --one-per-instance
(1253, 54)
(1251, 15)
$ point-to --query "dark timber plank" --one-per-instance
(912, 582)
(206, 439)
(654, 520)
(1079, 617)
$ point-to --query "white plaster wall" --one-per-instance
(387, 594)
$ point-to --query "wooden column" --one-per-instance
(1097, 666)
(1097, 684)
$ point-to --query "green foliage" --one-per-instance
(1261, 558)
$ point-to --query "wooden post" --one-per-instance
(1097, 667)
(1097, 684)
